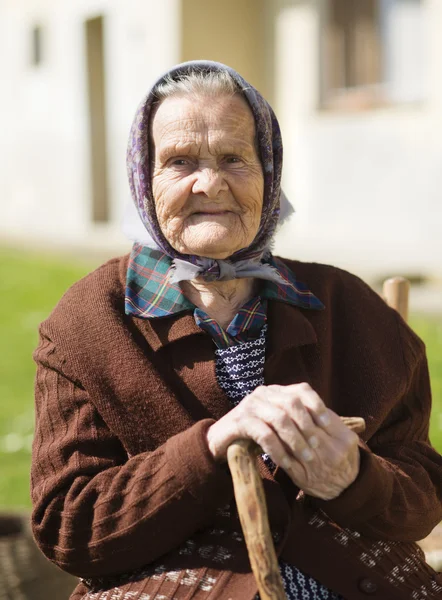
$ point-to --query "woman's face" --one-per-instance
(207, 178)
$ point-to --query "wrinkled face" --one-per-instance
(207, 178)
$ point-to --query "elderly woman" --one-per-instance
(153, 364)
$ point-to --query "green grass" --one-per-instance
(430, 330)
(30, 286)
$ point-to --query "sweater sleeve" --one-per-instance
(398, 492)
(98, 512)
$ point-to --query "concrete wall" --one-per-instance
(231, 31)
(366, 186)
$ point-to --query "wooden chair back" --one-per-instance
(396, 293)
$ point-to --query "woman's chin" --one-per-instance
(217, 251)
(219, 244)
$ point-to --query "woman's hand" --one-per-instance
(293, 425)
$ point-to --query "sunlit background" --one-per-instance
(356, 85)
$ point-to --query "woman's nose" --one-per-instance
(209, 181)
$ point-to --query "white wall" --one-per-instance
(44, 189)
(366, 186)
(403, 35)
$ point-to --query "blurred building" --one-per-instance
(356, 84)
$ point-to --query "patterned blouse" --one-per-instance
(239, 354)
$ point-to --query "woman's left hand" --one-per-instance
(330, 462)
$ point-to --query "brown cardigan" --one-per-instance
(123, 483)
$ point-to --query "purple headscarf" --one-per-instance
(247, 262)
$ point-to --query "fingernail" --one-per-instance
(285, 463)
(324, 419)
(307, 455)
(313, 442)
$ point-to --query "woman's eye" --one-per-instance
(232, 160)
(180, 162)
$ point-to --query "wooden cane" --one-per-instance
(252, 510)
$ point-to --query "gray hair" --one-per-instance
(198, 83)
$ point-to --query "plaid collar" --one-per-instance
(245, 326)
(150, 295)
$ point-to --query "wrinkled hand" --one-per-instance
(293, 425)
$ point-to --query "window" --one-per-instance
(36, 56)
(372, 53)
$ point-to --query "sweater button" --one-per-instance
(367, 586)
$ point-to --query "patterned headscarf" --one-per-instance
(247, 262)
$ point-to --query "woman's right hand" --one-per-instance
(294, 427)
(283, 420)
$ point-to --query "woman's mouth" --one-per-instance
(211, 213)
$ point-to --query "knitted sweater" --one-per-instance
(127, 495)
